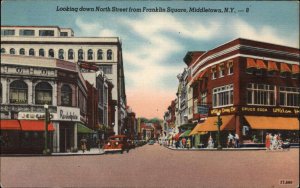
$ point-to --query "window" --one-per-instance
(230, 68)
(46, 32)
(63, 34)
(43, 93)
(109, 55)
(90, 54)
(100, 55)
(31, 51)
(41, 52)
(26, 32)
(195, 106)
(221, 70)
(70, 54)
(223, 96)
(18, 91)
(289, 96)
(259, 72)
(284, 74)
(271, 73)
(66, 95)
(61, 54)
(80, 54)
(260, 94)
(107, 69)
(12, 51)
(203, 99)
(51, 53)
(22, 51)
(2, 50)
(213, 73)
(7, 32)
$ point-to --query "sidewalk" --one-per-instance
(223, 149)
(93, 151)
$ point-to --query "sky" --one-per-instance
(155, 43)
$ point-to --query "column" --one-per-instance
(116, 121)
(5, 92)
(30, 92)
(56, 137)
(75, 136)
(54, 94)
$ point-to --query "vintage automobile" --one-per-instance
(117, 143)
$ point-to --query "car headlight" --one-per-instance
(117, 143)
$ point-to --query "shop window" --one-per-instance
(223, 96)
(70, 54)
(2, 50)
(213, 73)
(284, 74)
(271, 73)
(203, 100)
(22, 51)
(43, 93)
(221, 70)
(61, 54)
(259, 72)
(99, 54)
(18, 91)
(31, 51)
(12, 51)
(261, 94)
(109, 54)
(80, 54)
(90, 54)
(66, 95)
(230, 68)
(42, 52)
(51, 53)
(289, 96)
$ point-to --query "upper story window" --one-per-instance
(31, 51)
(221, 70)
(51, 53)
(289, 96)
(3, 51)
(70, 54)
(80, 54)
(42, 52)
(66, 95)
(230, 68)
(109, 54)
(7, 32)
(43, 93)
(100, 54)
(203, 99)
(12, 51)
(18, 92)
(107, 69)
(260, 94)
(61, 54)
(90, 54)
(46, 32)
(22, 51)
(63, 34)
(223, 96)
(26, 32)
(213, 73)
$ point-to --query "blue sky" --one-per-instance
(154, 44)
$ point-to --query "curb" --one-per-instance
(223, 149)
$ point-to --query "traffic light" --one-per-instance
(47, 117)
(219, 121)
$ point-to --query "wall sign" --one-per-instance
(68, 114)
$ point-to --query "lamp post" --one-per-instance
(219, 123)
(46, 129)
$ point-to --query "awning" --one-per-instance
(199, 77)
(83, 129)
(284, 68)
(34, 125)
(10, 125)
(251, 63)
(185, 134)
(273, 123)
(295, 69)
(209, 124)
(187, 126)
(261, 64)
(272, 66)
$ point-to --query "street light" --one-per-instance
(219, 123)
(47, 119)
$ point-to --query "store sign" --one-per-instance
(272, 110)
(224, 110)
(203, 110)
(68, 114)
(34, 116)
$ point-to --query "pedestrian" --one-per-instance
(237, 140)
(188, 143)
(210, 143)
(83, 144)
(268, 141)
(230, 140)
(183, 142)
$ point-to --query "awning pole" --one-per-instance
(262, 136)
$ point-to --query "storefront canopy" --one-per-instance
(83, 129)
(273, 123)
(209, 125)
(33, 125)
(185, 134)
(10, 125)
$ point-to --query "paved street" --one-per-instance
(155, 166)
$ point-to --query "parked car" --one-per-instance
(117, 143)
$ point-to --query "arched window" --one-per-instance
(2, 50)
(66, 95)
(61, 54)
(31, 51)
(43, 93)
(18, 92)
(51, 53)
(80, 54)
(70, 54)
(41, 52)
(100, 54)
(109, 55)
(90, 54)
(12, 51)
(22, 51)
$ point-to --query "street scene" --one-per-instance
(149, 94)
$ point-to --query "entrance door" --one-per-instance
(66, 137)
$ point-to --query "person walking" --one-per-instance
(268, 141)
(237, 140)
(183, 142)
(83, 144)
(210, 143)
(188, 143)
(230, 140)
